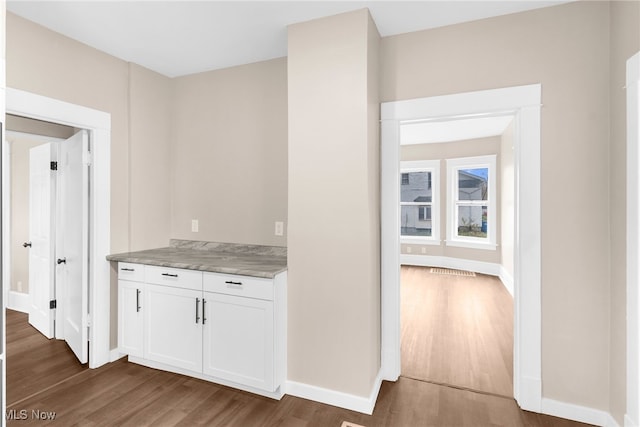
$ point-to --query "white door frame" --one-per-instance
(98, 123)
(632, 416)
(523, 102)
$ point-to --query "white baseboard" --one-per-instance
(115, 354)
(628, 422)
(361, 404)
(577, 413)
(18, 301)
(489, 268)
(506, 279)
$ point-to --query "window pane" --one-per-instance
(417, 187)
(472, 184)
(472, 221)
(415, 220)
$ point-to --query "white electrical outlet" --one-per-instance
(194, 225)
(424, 250)
(279, 228)
(408, 249)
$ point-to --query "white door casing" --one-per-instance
(72, 241)
(98, 123)
(523, 102)
(632, 416)
(41, 231)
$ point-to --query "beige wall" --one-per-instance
(452, 150)
(333, 244)
(229, 154)
(150, 124)
(507, 199)
(566, 49)
(625, 42)
(46, 63)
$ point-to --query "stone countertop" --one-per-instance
(229, 258)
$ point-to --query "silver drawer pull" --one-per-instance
(169, 275)
(204, 311)
(197, 310)
(229, 282)
(137, 300)
(127, 269)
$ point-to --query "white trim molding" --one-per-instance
(340, 399)
(18, 301)
(632, 417)
(579, 413)
(523, 104)
(98, 124)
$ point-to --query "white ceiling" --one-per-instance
(177, 38)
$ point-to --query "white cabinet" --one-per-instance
(218, 327)
(173, 326)
(238, 340)
(130, 302)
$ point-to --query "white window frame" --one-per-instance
(432, 166)
(453, 166)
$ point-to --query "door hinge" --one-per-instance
(53, 304)
(86, 158)
(54, 166)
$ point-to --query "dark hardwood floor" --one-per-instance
(457, 330)
(125, 394)
(34, 363)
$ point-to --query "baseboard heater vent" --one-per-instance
(452, 272)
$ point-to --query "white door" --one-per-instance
(41, 227)
(72, 241)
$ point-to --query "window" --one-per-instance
(419, 202)
(471, 206)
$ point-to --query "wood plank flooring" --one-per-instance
(126, 394)
(34, 362)
(457, 330)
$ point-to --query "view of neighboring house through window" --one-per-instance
(419, 201)
(471, 205)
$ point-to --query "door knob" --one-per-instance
(26, 244)
(62, 261)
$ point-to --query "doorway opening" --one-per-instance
(49, 227)
(94, 322)
(523, 103)
(457, 251)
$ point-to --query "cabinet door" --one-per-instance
(238, 340)
(130, 318)
(173, 326)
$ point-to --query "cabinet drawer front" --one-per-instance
(244, 286)
(129, 271)
(177, 277)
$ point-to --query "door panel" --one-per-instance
(238, 340)
(72, 242)
(41, 227)
(172, 319)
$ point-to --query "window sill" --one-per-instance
(419, 241)
(472, 245)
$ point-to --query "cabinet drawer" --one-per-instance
(129, 271)
(244, 286)
(177, 277)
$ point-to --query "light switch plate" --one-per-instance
(194, 225)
